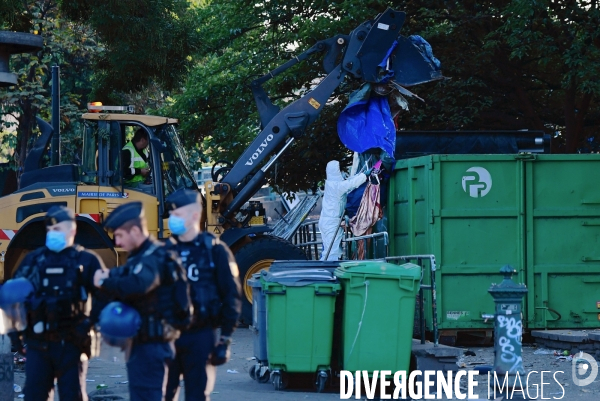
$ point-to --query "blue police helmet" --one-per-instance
(119, 323)
(13, 310)
(15, 291)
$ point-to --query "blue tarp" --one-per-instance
(367, 123)
(425, 49)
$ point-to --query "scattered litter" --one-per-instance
(21, 396)
(114, 359)
(17, 388)
(251, 358)
(544, 351)
(125, 382)
(90, 380)
(469, 353)
(115, 376)
(232, 371)
(563, 353)
(101, 386)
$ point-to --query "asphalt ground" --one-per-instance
(234, 382)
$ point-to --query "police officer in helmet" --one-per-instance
(63, 307)
(141, 283)
(215, 288)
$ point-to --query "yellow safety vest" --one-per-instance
(136, 162)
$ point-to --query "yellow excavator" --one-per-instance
(370, 53)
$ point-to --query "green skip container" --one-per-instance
(378, 314)
(300, 308)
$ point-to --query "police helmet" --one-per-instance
(119, 323)
(13, 310)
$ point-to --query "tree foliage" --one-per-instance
(246, 40)
(146, 42)
(69, 45)
(516, 64)
(512, 64)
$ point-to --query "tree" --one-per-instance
(245, 40)
(147, 42)
(516, 64)
(69, 45)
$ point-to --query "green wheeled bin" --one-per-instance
(300, 308)
(378, 314)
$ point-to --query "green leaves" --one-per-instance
(72, 47)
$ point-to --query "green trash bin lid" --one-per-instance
(378, 268)
(298, 277)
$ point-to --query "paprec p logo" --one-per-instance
(478, 183)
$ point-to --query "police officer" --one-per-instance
(138, 283)
(215, 288)
(58, 331)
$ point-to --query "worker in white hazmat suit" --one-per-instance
(334, 203)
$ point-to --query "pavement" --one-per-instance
(234, 383)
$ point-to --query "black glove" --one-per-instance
(221, 353)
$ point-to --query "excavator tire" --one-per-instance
(256, 256)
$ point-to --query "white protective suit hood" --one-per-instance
(333, 171)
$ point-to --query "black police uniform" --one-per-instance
(216, 295)
(57, 335)
(137, 284)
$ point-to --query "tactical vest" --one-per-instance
(167, 309)
(137, 161)
(197, 259)
(59, 302)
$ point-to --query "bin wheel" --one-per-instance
(252, 372)
(321, 381)
(264, 378)
(276, 380)
(256, 256)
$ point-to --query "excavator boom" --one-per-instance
(374, 52)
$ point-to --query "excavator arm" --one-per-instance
(373, 52)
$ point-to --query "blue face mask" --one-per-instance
(177, 225)
(56, 241)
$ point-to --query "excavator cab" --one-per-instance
(105, 137)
